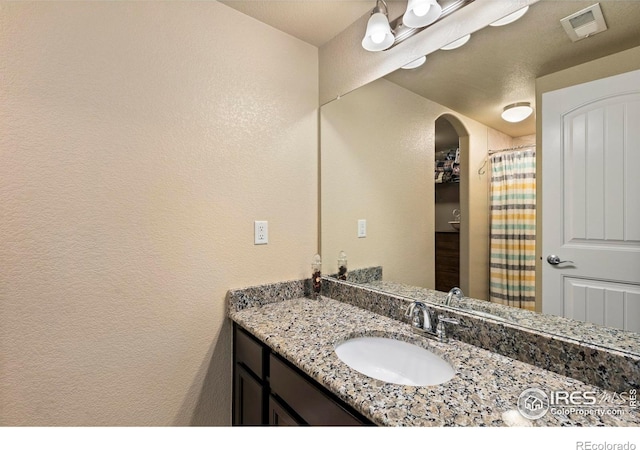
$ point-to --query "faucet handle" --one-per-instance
(409, 311)
(440, 329)
(448, 320)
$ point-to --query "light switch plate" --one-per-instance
(362, 228)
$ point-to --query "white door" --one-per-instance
(591, 202)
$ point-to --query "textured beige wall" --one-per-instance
(138, 142)
(608, 66)
(377, 164)
(474, 202)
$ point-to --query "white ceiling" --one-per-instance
(496, 67)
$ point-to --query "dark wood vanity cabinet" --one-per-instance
(267, 390)
(248, 398)
(249, 385)
(447, 249)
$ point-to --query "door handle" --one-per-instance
(554, 260)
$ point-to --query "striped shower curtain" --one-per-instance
(513, 228)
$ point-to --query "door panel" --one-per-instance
(591, 201)
(631, 171)
(597, 152)
(606, 303)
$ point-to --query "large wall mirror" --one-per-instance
(382, 146)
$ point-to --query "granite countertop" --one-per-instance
(486, 385)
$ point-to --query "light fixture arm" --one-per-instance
(381, 7)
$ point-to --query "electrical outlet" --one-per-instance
(362, 228)
(261, 232)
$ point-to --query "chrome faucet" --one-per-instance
(425, 325)
(457, 292)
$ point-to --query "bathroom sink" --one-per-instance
(394, 361)
(455, 224)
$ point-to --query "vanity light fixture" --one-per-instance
(506, 20)
(517, 112)
(415, 63)
(378, 36)
(421, 13)
(382, 34)
(457, 43)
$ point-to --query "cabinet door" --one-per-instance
(279, 417)
(248, 399)
(248, 352)
(313, 405)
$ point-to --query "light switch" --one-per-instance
(362, 228)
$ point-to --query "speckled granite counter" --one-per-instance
(305, 332)
(569, 348)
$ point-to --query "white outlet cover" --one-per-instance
(260, 232)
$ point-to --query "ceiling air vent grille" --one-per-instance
(584, 23)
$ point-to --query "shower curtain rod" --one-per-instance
(481, 170)
(521, 147)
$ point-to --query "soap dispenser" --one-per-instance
(342, 266)
(316, 274)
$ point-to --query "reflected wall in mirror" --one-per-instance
(378, 143)
(378, 164)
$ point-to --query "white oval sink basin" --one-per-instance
(394, 361)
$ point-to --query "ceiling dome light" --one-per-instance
(506, 20)
(457, 43)
(415, 63)
(421, 13)
(517, 112)
(378, 36)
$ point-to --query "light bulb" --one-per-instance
(377, 37)
(421, 13)
(421, 9)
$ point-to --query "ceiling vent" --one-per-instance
(584, 23)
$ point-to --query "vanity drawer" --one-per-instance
(249, 352)
(307, 400)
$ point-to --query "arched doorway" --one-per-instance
(469, 193)
(447, 210)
